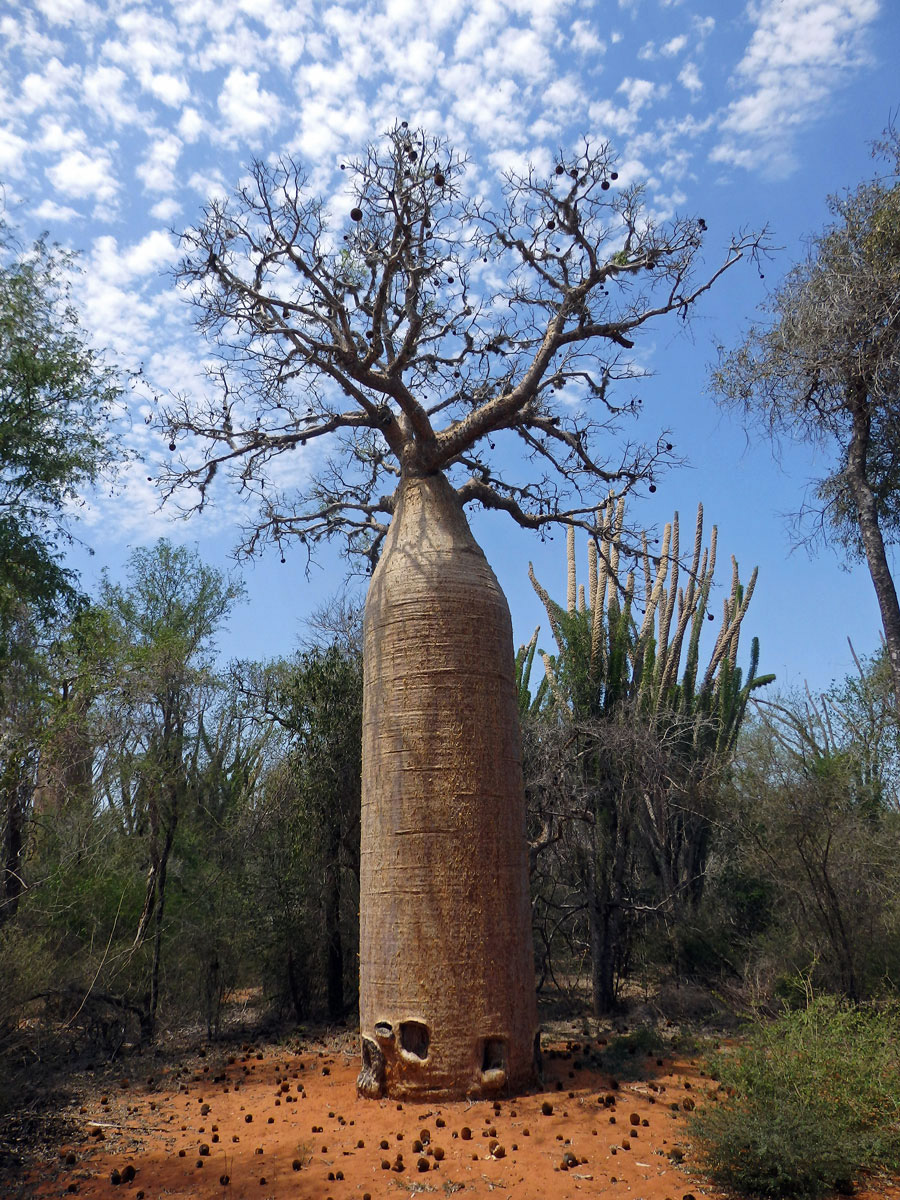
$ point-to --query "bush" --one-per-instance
(27, 970)
(626, 1055)
(807, 1102)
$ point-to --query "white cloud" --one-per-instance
(491, 108)
(247, 108)
(674, 46)
(190, 125)
(689, 77)
(171, 89)
(584, 37)
(289, 50)
(25, 42)
(49, 210)
(85, 175)
(799, 53)
(103, 90)
(150, 50)
(563, 94)
(638, 92)
(165, 210)
(209, 184)
(50, 88)
(613, 121)
(12, 152)
(521, 52)
(326, 129)
(119, 299)
(56, 137)
(478, 30)
(151, 254)
(157, 170)
(70, 12)
(229, 42)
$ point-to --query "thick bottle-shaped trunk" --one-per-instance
(447, 996)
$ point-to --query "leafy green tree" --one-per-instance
(815, 820)
(165, 620)
(825, 369)
(309, 867)
(57, 402)
(215, 921)
(807, 1103)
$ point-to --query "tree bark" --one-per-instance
(447, 994)
(334, 952)
(872, 540)
(17, 795)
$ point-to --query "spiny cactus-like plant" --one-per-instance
(630, 820)
(528, 704)
(638, 638)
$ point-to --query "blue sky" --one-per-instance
(118, 120)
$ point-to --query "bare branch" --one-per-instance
(419, 305)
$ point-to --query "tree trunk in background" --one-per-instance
(447, 991)
(15, 797)
(870, 534)
(331, 900)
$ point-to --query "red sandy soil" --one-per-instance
(268, 1123)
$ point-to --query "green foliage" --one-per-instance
(182, 832)
(806, 1102)
(305, 864)
(28, 966)
(529, 705)
(825, 369)
(814, 822)
(649, 736)
(173, 604)
(625, 1056)
(56, 404)
(612, 649)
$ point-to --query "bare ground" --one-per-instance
(268, 1121)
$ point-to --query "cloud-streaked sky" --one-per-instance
(119, 119)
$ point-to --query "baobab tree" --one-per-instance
(423, 332)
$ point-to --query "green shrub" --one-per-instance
(806, 1102)
(626, 1055)
(26, 969)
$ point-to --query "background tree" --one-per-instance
(307, 840)
(826, 369)
(165, 621)
(415, 333)
(646, 736)
(814, 823)
(22, 707)
(56, 404)
(57, 400)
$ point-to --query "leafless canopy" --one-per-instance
(416, 327)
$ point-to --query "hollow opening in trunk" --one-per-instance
(384, 1029)
(414, 1039)
(494, 1055)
